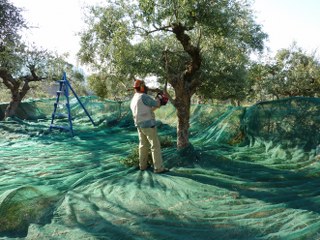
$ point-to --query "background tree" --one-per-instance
(226, 67)
(177, 41)
(106, 86)
(22, 66)
(292, 72)
(56, 65)
(11, 22)
(17, 70)
(257, 73)
(11, 59)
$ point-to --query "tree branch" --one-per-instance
(156, 29)
(34, 77)
(194, 52)
(24, 90)
(7, 79)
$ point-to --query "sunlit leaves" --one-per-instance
(129, 38)
(11, 21)
(224, 74)
(292, 72)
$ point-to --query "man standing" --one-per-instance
(142, 107)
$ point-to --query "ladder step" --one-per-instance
(63, 89)
(61, 115)
(60, 127)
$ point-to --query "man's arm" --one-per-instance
(147, 100)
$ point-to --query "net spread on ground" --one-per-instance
(251, 173)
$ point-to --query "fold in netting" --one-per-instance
(250, 173)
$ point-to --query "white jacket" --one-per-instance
(143, 114)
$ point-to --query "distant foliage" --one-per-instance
(292, 72)
(11, 22)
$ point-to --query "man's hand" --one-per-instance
(163, 98)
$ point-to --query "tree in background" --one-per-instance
(180, 42)
(226, 69)
(13, 57)
(11, 22)
(22, 66)
(54, 71)
(18, 69)
(292, 72)
(19, 82)
(107, 86)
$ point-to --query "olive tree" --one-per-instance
(18, 69)
(11, 21)
(14, 55)
(180, 42)
(22, 66)
(291, 72)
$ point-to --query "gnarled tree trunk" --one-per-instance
(18, 87)
(17, 96)
(11, 109)
(184, 84)
(182, 104)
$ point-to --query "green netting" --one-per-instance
(252, 173)
(293, 121)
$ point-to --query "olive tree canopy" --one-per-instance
(192, 45)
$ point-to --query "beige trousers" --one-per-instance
(148, 139)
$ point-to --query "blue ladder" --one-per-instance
(64, 87)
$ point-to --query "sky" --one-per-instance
(56, 23)
(286, 21)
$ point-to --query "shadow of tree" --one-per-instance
(293, 188)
